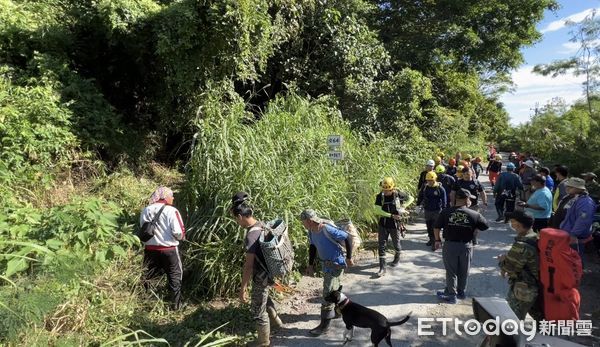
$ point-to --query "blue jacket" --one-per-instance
(508, 181)
(432, 198)
(550, 183)
(580, 216)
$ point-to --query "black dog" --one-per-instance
(355, 315)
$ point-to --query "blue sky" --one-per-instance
(531, 88)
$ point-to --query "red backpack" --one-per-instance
(560, 274)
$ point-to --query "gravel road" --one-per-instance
(409, 287)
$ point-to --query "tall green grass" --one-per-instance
(281, 160)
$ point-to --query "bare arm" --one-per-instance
(246, 275)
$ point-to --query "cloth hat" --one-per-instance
(161, 193)
(464, 193)
(575, 182)
(521, 217)
(530, 163)
(589, 174)
(239, 198)
(310, 214)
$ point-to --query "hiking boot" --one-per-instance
(449, 298)
(263, 339)
(429, 243)
(461, 295)
(396, 260)
(499, 219)
(274, 320)
(322, 328)
(382, 271)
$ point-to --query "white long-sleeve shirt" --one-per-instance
(169, 227)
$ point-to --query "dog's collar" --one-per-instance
(343, 304)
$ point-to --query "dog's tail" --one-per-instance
(404, 320)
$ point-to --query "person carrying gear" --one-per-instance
(437, 161)
(580, 216)
(592, 187)
(521, 265)
(390, 206)
(451, 169)
(161, 253)
(460, 224)
(433, 199)
(429, 165)
(477, 167)
(324, 242)
(539, 204)
(446, 180)
(505, 192)
(494, 168)
(262, 306)
(527, 173)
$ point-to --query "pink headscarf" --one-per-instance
(161, 193)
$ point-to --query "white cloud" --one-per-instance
(570, 47)
(573, 47)
(532, 88)
(561, 23)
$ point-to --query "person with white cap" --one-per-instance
(324, 239)
(429, 165)
(580, 216)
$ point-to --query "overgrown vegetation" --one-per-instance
(102, 101)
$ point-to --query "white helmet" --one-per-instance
(430, 162)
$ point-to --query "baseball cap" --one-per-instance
(310, 214)
(464, 194)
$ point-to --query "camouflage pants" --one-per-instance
(521, 308)
(259, 302)
(331, 282)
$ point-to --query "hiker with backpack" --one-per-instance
(446, 180)
(262, 306)
(161, 254)
(324, 243)
(390, 206)
(505, 191)
(433, 198)
(521, 265)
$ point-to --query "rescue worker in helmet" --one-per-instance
(390, 206)
(429, 165)
(433, 199)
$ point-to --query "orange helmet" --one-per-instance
(466, 163)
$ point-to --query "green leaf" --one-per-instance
(14, 266)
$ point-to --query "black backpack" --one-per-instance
(146, 231)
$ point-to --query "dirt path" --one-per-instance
(409, 287)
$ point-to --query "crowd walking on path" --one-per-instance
(534, 201)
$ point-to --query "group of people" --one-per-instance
(451, 196)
